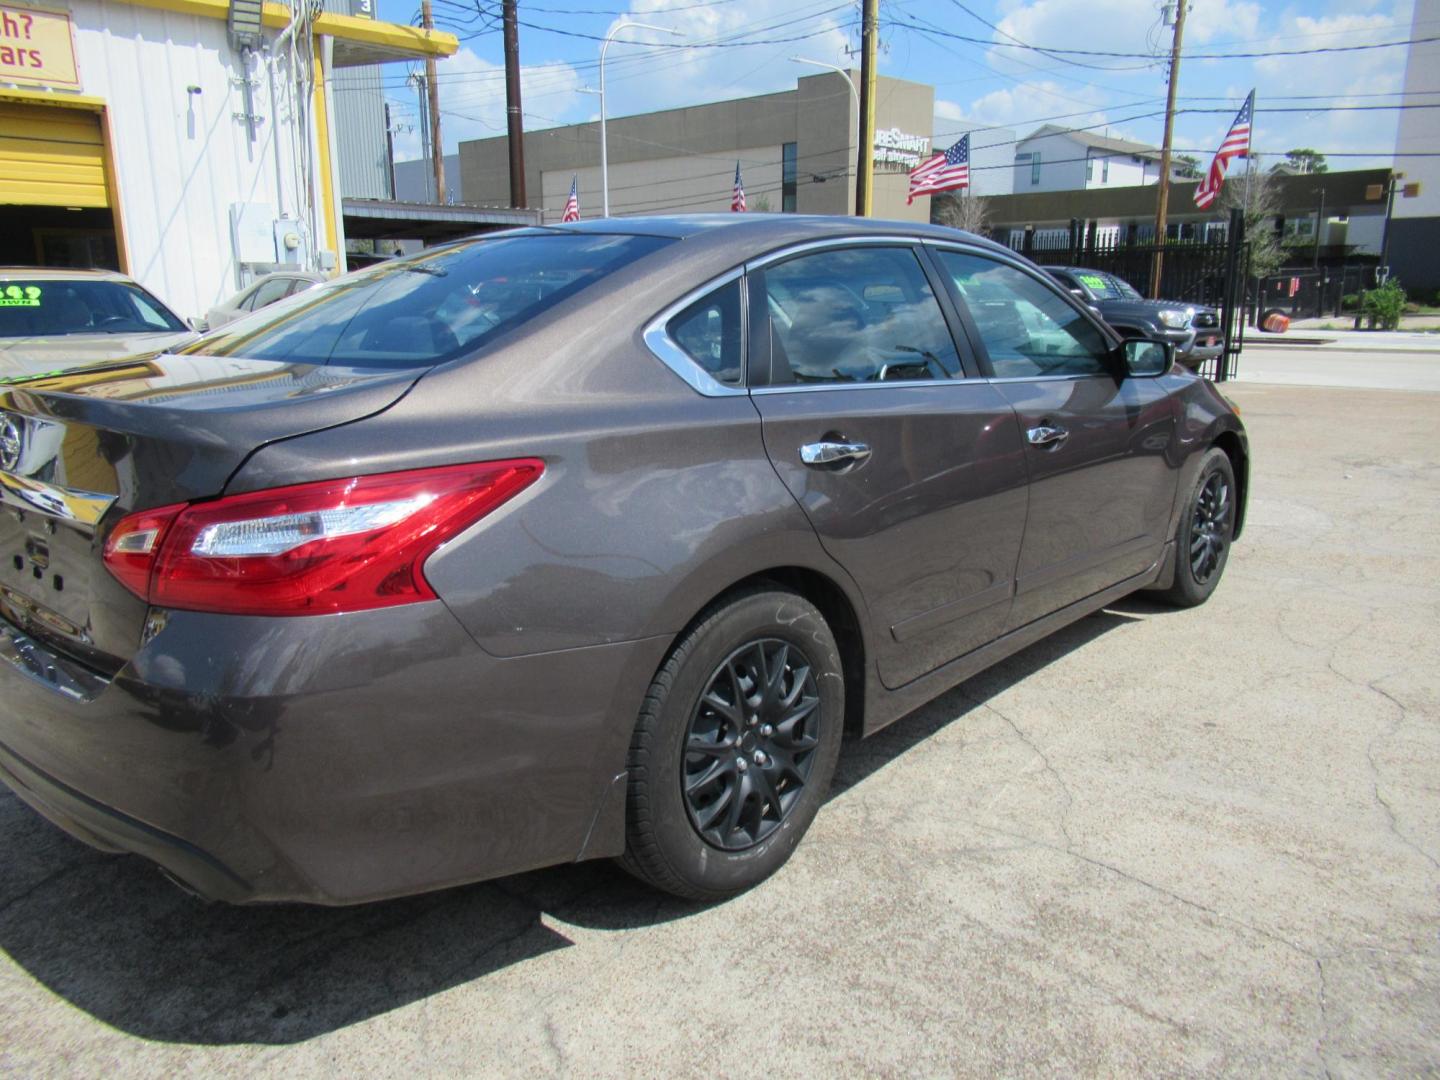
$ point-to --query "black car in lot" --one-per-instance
(1194, 330)
(570, 542)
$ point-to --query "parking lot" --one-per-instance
(1161, 842)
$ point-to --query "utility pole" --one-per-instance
(432, 88)
(515, 134)
(865, 159)
(1390, 187)
(390, 151)
(1162, 205)
(1319, 227)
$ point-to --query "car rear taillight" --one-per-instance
(310, 549)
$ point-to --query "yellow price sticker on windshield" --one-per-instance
(20, 296)
(1093, 281)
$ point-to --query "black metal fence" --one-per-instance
(1307, 293)
(1193, 271)
(1208, 272)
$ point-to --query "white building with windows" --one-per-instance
(1053, 158)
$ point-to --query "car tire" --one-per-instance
(1203, 535)
(767, 748)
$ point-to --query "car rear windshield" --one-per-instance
(54, 307)
(431, 307)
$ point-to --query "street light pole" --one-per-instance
(854, 94)
(604, 148)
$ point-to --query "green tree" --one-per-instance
(1258, 194)
(1186, 166)
(1305, 160)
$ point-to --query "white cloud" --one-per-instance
(1353, 78)
(1021, 107)
(693, 76)
(472, 99)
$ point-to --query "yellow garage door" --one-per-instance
(51, 156)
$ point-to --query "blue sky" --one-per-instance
(981, 82)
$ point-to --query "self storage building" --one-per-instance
(188, 143)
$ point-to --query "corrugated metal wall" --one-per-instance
(359, 118)
(181, 157)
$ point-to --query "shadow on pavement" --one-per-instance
(115, 939)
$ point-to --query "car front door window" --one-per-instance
(1028, 329)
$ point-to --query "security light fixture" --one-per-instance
(245, 23)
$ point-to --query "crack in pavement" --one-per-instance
(1063, 820)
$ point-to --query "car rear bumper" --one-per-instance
(330, 759)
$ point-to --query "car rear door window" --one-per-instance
(709, 332)
(1029, 330)
(853, 315)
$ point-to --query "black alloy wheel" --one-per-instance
(1204, 532)
(1210, 528)
(735, 745)
(751, 743)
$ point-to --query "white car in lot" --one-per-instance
(262, 292)
(52, 319)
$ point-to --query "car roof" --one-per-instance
(757, 231)
(22, 273)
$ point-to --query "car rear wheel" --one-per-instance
(1202, 539)
(735, 746)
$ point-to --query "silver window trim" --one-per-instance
(658, 340)
(895, 384)
(889, 240)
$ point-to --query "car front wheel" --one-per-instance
(1202, 538)
(735, 746)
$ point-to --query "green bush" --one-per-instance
(1384, 306)
(1350, 301)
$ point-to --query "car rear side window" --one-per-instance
(270, 291)
(709, 332)
(431, 307)
(1028, 329)
(853, 315)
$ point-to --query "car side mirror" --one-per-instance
(1148, 358)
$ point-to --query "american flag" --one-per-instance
(1236, 144)
(572, 204)
(737, 196)
(942, 172)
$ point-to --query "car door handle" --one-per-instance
(833, 453)
(1047, 435)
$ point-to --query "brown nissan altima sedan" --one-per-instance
(567, 543)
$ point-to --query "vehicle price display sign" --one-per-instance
(20, 296)
(37, 46)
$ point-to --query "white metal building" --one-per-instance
(139, 136)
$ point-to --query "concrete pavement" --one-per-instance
(1202, 842)
(1331, 365)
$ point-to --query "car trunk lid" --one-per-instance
(80, 450)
